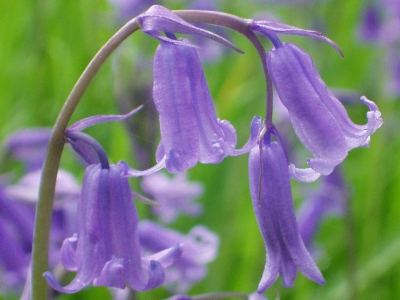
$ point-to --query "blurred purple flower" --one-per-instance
(272, 201)
(106, 250)
(330, 199)
(27, 188)
(371, 22)
(319, 119)
(190, 130)
(16, 228)
(29, 146)
(199, 247)
(17, 213)
(393, 65)
(175, 195)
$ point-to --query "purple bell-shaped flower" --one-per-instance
(272, 201)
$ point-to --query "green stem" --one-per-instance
(40, 251)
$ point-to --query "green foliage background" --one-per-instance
(45, 45)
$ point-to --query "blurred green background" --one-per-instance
(45, 46)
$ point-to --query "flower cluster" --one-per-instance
(111, 247)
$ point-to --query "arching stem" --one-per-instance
(40, 249)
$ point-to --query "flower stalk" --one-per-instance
(44, 207)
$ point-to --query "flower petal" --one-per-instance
(255, 129)
(303, 175)
(172, 94)
(112, 274)
(68, 253)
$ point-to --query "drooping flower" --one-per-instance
(272, 201)
(190, 130)
(106, 250)
(319, 119)
(199, 247)
(175, 195)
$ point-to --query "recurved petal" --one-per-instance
(166, 257)
(357, 135)
(74, 287)
(112, 274)
(255, 128)
(303, 175)
(156, 276)
(127, 171)
(68, 253)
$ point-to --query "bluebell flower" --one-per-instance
(272, 201)
(199, 247)
(318, 118)
(175, 195)
(190, 130)
(106, 250)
